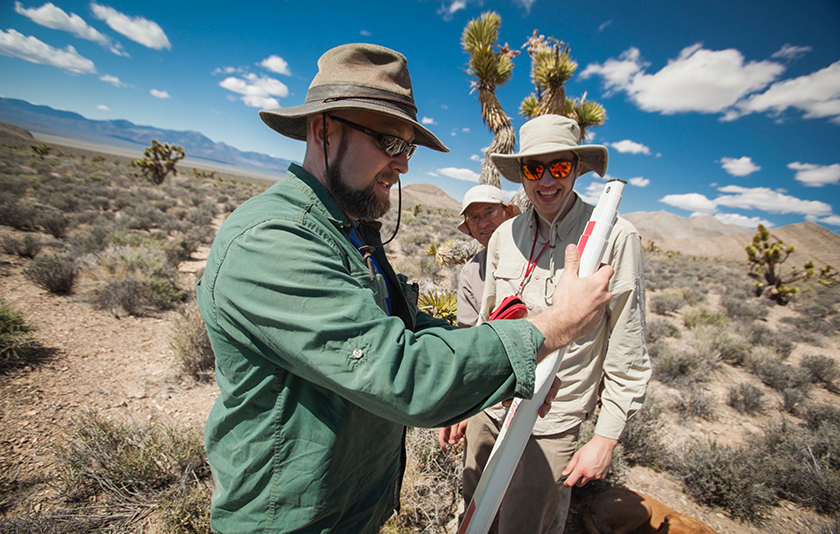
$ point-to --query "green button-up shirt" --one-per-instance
(317, 382)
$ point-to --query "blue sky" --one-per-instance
(728, 108)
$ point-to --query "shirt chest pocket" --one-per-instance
(377, 286)
(510, 272)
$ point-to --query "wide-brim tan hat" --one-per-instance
(486, 194)
(551, 134)
(356, 76)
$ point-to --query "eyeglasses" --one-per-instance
(487, 213)
(557, 169)
(391, 144)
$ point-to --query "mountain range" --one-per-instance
(127, 135)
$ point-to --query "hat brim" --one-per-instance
(593, 157)
(291, 121)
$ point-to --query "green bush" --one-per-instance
(17, 344)
(56, 274)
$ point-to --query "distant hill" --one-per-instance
(125, 134)
(427, 195)
(659, 225)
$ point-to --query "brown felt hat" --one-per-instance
(356, 76)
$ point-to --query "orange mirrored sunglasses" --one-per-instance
(557, 169)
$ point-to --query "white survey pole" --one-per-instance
(520, 418)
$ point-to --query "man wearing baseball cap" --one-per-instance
(322, 358)
(609, 367)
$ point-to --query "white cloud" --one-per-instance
(460, 174)
(366, 33)
(50, 16)
(257, 91)
(639, 181)
(449, 11)
(698, 80)
(813, 175)
(742, 166)
(476, 157)
(427, 120)
(833, 220)
(630, 147)
(277, 64)
(691, 202)
(159, 94)
(138, 29)
(765, 199)
(14, 44)
(742, 220)
(604, 25)
(103, 107)
(789, 51)
(592, 192)
(465, 130)
(113, 80)
(525, 4)
(817, 94)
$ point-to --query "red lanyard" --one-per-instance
(531, 265)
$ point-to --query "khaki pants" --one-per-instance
(536, 502)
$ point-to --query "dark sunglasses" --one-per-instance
(391, 144)
(557, 169)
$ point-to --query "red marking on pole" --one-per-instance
(467, 517)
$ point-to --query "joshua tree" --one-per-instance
(42, 150)
(491, 68)
(587, 113)
(551, 68)
(765, 258)
(159, 161)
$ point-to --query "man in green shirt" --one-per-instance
(322, 358)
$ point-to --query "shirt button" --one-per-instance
(358, 353)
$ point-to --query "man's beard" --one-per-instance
(359, 204)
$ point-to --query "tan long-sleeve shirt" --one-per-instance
(614, 354)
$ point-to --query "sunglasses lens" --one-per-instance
(394, 146)
(560, 169)
(532, 171)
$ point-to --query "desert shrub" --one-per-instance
(640, 438)
(705, 316)
(746, 398)
(657, 329)
(186, 510)
(19, 214)
(191, 344)
(431, 487)
(127, 278)
(58, 522)
(693, 402)
(806, 464)
(735, 480)
(27, 246)
(821, 369)
(758, 334)
(744, 309)
(16, 341)
(673, 367)
(54, 223)
(132, 464)
(56, 274)
(663, 304)
(733, 350)
(820, 414)
(94, 239)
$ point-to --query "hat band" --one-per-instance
(332, 93)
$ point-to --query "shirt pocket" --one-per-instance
(509, 271)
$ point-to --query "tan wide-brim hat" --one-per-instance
(356, 76)
(551, 134)
(482, 194)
